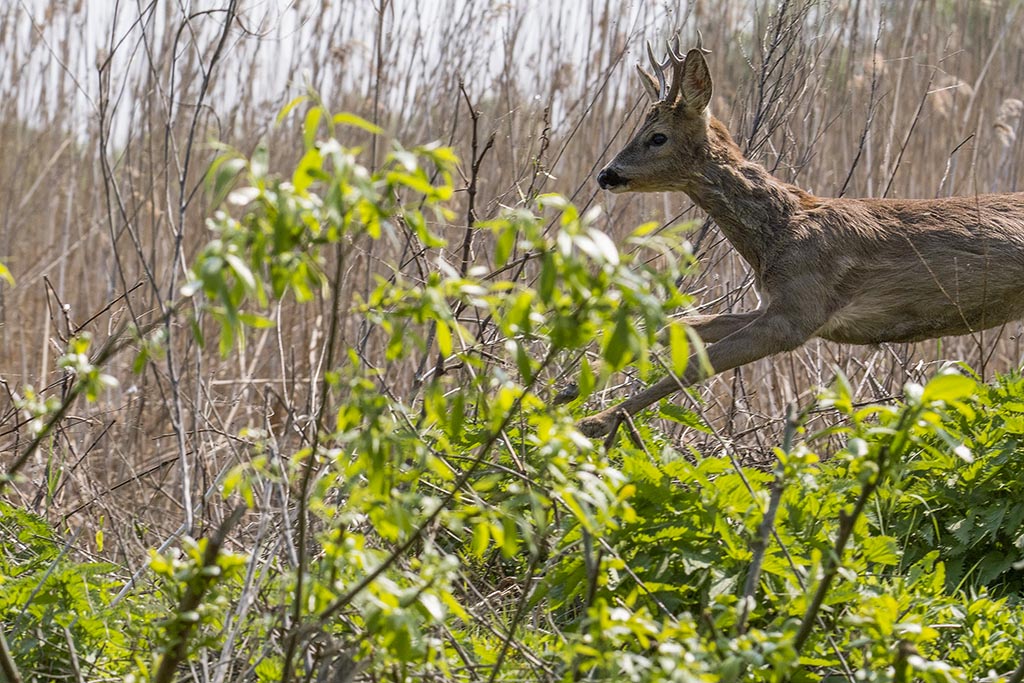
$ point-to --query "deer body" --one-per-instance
(857, 271)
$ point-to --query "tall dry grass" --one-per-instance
(104, 124)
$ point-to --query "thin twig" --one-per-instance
(309, 465)
(1018, 674)
(847, 521)
(193, 597)
(524, 600)
(476, 159)
(767, 525)
(344, 600)
(7, 665)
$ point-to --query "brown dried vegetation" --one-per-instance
(104, 120)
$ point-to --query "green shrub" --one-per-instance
(467, 531)
(58, 613)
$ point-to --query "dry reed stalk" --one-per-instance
(97, 115)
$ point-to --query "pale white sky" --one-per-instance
(55, 47)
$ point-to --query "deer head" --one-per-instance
(673, 142)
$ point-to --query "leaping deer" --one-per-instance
(856, 271)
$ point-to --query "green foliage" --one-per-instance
(276, 246)
(468, 531)
(5, 275)
(58, 613)
(88, 377)
(436, 481)
(673, 577)
(973, 514)
(197, 579)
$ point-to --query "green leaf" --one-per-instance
(617, 350)
(586, 380)
(346, 119)
(950, 386)
(442, 156)
(504, 244)
(457, 414)
(480, 538)
(679, 346)
(255, 321)
(510, 540)
(309, 168)
(677, 413)
(880, 550)
(444, 338)
(645, 229)
(141, 360)
(311, 126)
(227, 340)
(197, 332)
(241, 270)
(523, 363)
(548, 276)
(455, 607)
(415, 182)
(222, 174)
(290, 106)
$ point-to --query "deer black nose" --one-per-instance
(608, 179)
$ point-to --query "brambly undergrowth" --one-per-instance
(466, 530)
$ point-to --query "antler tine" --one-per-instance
(659, 71)
(700, 43)
(675, 51)
(677, 58)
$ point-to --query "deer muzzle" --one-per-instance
(609, 179)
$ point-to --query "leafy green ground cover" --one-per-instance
(468, 532)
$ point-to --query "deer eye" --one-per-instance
(658, 139)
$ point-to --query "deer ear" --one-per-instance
(649, 85)
(696, 91)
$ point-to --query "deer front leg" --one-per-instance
(770, 332)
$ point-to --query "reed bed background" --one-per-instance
(107, 112)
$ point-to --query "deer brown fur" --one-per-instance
(857, 271)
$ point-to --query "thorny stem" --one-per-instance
(177, 412)
(471, 189)
(475, 161)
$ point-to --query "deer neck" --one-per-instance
(750, 205)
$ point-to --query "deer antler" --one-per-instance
(663, 91)
(659, 72)
(677, 58)
(700, 43)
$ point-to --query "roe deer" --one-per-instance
(857, 271)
